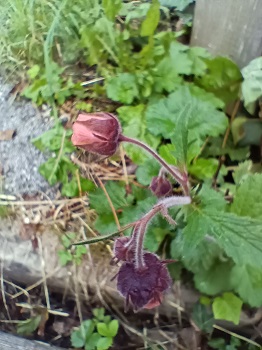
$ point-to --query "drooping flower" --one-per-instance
(160, 186)
(123, 250)
(97, 133)
(144, 288)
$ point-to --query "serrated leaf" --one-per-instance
(179, 57)
(197, 56)
(248, 197)
(242, 172)
(122, 88)
(150, 23)
(252, 84)
(227, 307)
(203, 118)
(223, 78)
(240, 237)
(247, 282)
(203, 168)
(116, 192)
(166, 76)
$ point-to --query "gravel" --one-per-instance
(19, 159)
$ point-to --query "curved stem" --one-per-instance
(173, 171)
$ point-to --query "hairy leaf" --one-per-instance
(203, 119)
(252, 84)
(248, 197)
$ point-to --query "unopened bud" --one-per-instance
(97, 133)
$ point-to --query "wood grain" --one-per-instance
(230, 28)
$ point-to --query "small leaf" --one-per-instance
(92, 341)
(113, 328)
(64, 257)
(150, 23)
(77, 339)
(227, 307)
(104, 343)
(103, 329)
(28, 326)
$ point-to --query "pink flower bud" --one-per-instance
(97, 133)
(160, 186)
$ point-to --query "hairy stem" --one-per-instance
(173, 171)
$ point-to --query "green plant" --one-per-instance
(96, 333)
(49, 86)
(75, 254)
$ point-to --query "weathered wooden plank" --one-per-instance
(232, 28)
(11, 342)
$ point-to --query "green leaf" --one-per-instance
(92, 341)
(166, 76)
(113, 328)
(247, 282)
(150, 23)
(116, 192)
(248, 199)
(180, 58)
(103, 329)
(64, 257)
(99, 313)
(223, 78)
(242, 172)
(203, 119)
(146, 171)
(215, 280)
(77, 339)
(252, 84)
(122, 88)
(203, 168)
(240, 237)
(111, 8)
(203, 318)
(28, 326)
(33, 71)
(104, 343)
(219, 344)
(197, 56)
(227, 307)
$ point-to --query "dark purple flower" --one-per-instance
(144, 288)
(97, 133)
(122, 249)
(160, 186)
